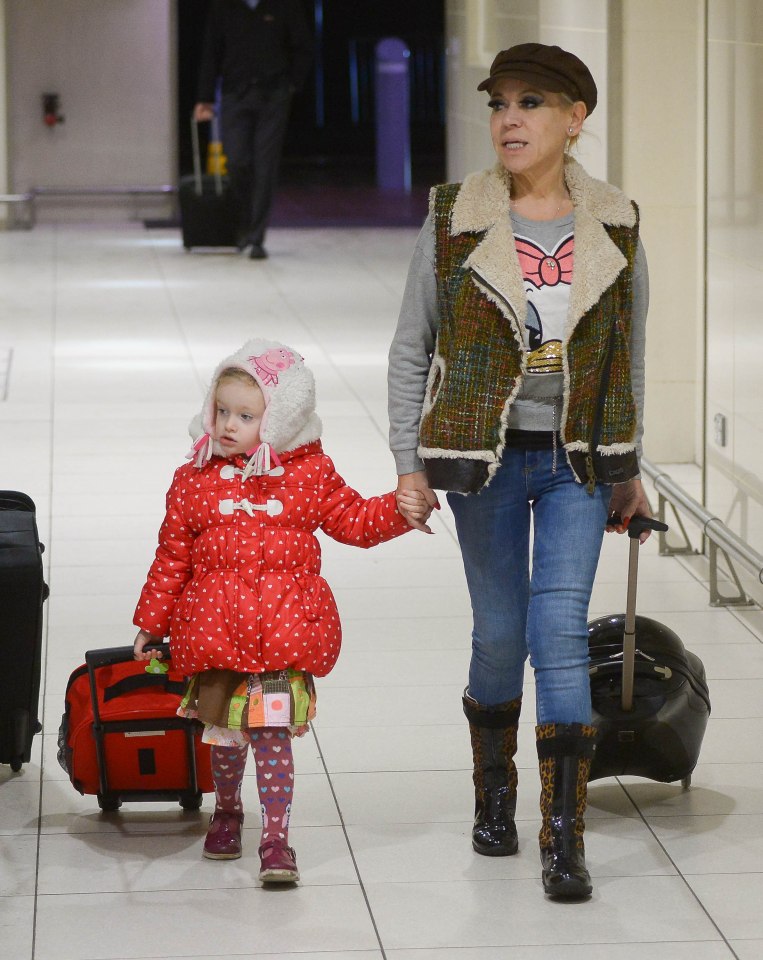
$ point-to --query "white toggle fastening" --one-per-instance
(271, 507)
(228, 472)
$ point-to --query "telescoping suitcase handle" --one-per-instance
(197, 162)
(636, 526)
(107, 657)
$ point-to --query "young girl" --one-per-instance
(236, 582)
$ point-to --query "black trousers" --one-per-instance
(253, 127)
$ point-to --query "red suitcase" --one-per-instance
(121, 738)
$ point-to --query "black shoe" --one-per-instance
(258, 252)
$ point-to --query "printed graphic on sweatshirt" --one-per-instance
(547, 275)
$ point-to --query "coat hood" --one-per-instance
(289, 421)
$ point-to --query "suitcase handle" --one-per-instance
(107, 656)
(637, 525)
(197, 163)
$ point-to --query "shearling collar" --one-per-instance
(482, 205)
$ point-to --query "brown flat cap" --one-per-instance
(550, 67)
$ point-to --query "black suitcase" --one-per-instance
(208, 216)
(649, 693)
(22, 593)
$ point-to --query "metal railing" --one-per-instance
(20, 201)
(719, 537)
(132, 193)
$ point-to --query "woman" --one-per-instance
(516, 384)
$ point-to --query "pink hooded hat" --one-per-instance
(288, 387)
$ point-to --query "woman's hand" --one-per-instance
(416, 499)
(629, 500)
(142, 640)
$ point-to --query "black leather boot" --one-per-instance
(493, 732)
(565, 751)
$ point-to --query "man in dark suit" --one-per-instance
(262, 51)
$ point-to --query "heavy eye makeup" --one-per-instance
(527, 102)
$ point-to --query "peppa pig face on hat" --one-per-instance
(268, 365)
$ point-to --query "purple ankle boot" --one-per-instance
(278, 862)
(223, 841)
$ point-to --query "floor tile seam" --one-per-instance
(49, 561)
(377, 932)
(535, 880)
(255, 885)
(152, 834)
(717, 816)
(468, 822)
(177, 319)
(417, 769)
(512, 946)
(679, 872)
(747, 626)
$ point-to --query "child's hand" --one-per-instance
(141, 641)
(413, 505)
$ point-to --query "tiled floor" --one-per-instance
(113, 333)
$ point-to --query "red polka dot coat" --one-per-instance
(236, 583)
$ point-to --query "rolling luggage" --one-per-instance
(649, 693)
(208, 216)
(22, 594)
(121, 738)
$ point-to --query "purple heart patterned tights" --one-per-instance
(271, 748)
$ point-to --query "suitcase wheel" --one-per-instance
(686, 782)
(16, 764)
(108, 803)
(191, 801)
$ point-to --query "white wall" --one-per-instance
(734, 471)
(113, 65)
(477, 29)
(662, 101)
(580, 26)
(3, 115)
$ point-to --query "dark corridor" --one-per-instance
(328, 170)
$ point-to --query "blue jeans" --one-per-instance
(543, 613)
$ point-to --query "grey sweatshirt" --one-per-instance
(538, 405)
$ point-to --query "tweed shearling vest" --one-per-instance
(479, 359)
